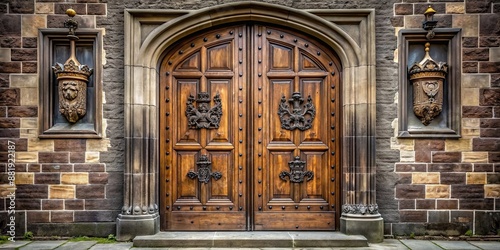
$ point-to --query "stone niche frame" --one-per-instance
(90, 43)
(148, 33)
(447, 124)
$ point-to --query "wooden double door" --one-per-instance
(248, 131)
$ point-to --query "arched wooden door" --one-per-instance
(248, 132)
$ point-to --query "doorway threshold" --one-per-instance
(254, 239)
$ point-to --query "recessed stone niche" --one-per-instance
(55, 48)
(444, 47)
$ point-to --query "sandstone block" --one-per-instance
(492, 191)
(29, 123)
(44, 8)
(426, 204)
(94, 191)
(91, 157)
(61, 191)
(22, 111)
(31, 24)
(74, 145)
(100, 145)
(29, 96)
(96, 9)
(36, 144)
(410, 191)
(475, 81)
(38, 216)
(53, 157)
(469, 42)
(478, 6)
(425, 178)
(453, 178)
(468, 23)
(26, 157)
(475, 157)
(447, 204)
(5, 55)
(61, 216)
(52, 204)
(24, 81)
(455, 8)
(489, 25)
(29, 67)
(476, 178)
(403, 9)
(24, 178)
(74, 178)
(458, 145)
(437, 191)
(470, 67)
(47, 178)
(444, 157)
(477, 112)
(413, 216)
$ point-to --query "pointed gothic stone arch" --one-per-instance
(350, 33)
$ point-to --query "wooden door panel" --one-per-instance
(187, 88)
(280, 88)
(187, 189)
(296, 187)
(203, 155)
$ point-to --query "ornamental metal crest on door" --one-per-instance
(249, 136)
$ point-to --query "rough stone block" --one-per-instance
(62, 191)
(10, 67)
(426, 204)
(470, 67)
(10, 25)
(403, 9)
(478, 6)
(23, 54)
(453, 178)
(430, 145)
(29, 67)
(24, 81)
(476, 54)
(406, 204)
(90, 167)
(22, 111)
(477, 112)
(98, 178)
(413, 216)
(5, 55)
(489, 96)
(469, 42)
(74, 145)
(75, 178)
(494, 157)
(439, 216)
(493, 178)
(476, 178)
(475, 80)
(95, 216)
(32, 191)
(468, 23)
(423, 156)
(24, 178)
(467, 191)
(475, 157)
(455, 8)
(52, 204)
(489, 25)
(36, 145)
(57, 21)
(47, 178)
(410, 191)
(57, 168)
(53, 157)
(492, 191)
(446, 157)
(27, 204)
(74, 204)
(447, 204)
(38, 216)
(476, 204)
(44, 8)
(420, 8)
(437, 191)
(61, 216)
(9, 123)
(77, 157)
(93, 191)
(425, 178)
(486, 144)
(31, 24)
(26, 157)
(96, 9)
(489, 41)
(10, 97)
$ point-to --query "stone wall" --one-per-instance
(423, 186)
(450, 186)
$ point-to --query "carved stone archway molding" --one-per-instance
(350, 33)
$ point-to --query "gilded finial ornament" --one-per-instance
(429, 24)
(72, 78)
(427, 77)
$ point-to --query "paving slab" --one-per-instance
(113, 246)
(455, 245)
(15, 244)
(327, 239)
(39, 245)
(421, 244)
(252, 239)
(486, 245)
(80, 245)
(175, 239)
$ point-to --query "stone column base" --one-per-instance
(370, 226)
(129, 226)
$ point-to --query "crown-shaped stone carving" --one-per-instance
(428, 77)
(72, 69)
(428, 66)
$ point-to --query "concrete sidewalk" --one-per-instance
(387, 244)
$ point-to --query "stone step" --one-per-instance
(255, 239)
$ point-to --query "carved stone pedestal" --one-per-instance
(371, 226)
(129, 226)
